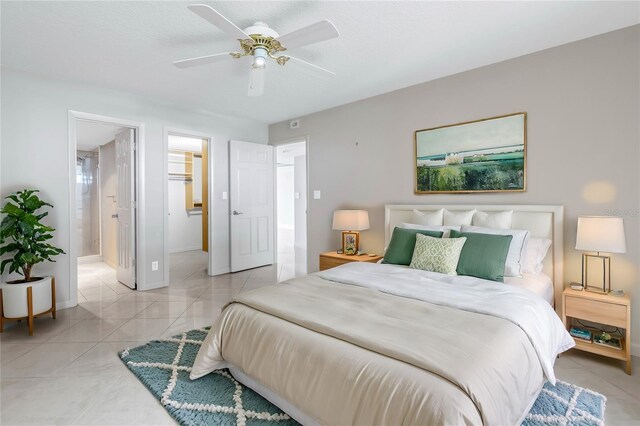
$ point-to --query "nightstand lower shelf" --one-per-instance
(603, 350)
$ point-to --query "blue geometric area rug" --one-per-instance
(163, 366)
(566, 404)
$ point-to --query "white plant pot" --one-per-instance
(14, 298)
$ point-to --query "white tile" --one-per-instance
(165, 309)
(49, 400)
(184, 324)
(45, 360)
(125, 310)
(205, 309)
(101, 359)
(140, 329)
(44, 328)
(93, 330)
(126, 402)
(11, 351)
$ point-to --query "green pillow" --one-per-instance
(483, 255)
(437, 254)
(403, 241)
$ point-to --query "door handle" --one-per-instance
(235, 213)
(114, 216)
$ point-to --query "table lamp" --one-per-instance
(599, 234)
(350, 222)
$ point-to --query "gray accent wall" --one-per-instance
(582, 101)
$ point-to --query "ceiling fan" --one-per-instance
(262, 43)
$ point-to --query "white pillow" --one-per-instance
(537, 249)
(498, 220)
(427, 218)
(513, 267)
(446, 230)
(458, 218)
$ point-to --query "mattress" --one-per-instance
(540, 284)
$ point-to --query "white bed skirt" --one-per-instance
(273, 398)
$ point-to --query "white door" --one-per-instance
(125, 240)
(251, 171)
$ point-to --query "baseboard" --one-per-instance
(153, 286)
(635, 349)
(219, 271)
(64, 305)
(90, 259)
(181, 250)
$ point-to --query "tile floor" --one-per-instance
(69, 371)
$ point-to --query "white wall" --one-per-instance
(284, 180)
(583, 106)
(35, 154)
(300, 188)
(185, 226)
(108, 190)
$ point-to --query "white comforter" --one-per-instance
(528, 311)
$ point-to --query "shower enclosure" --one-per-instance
(87, 203)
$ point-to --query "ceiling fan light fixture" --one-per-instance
(260, 57)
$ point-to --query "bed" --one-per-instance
(379, 344)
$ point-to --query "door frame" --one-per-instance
(167, 130)
(139, 127)
(276, 144)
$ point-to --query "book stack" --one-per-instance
(605, 339)
(579, 333)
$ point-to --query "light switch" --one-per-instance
(316, 194)
(297, 195)
(224, 195)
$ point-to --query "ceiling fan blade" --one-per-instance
(202, 60)
(208, 13)
(256, 81)
(320, 31)
(311, 69)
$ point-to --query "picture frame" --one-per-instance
(487, 155)
(350, 242)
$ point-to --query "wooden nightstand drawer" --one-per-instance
(327, 263)
(332, 259)
(596, 311)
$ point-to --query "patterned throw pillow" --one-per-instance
(437, 254)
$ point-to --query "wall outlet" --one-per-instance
(154, 265)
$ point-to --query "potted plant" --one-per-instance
(25, 238)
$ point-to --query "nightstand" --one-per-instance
(331, 259)
(605, 309)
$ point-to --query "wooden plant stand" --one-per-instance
(30, 316)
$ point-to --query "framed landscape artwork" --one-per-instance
(487, 155)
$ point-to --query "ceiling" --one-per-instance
(90, 135)
(383, 46)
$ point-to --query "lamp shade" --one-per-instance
(350, 220)
(601, 233)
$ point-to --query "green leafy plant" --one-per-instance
(23, 235)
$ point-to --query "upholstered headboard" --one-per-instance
(540, 221)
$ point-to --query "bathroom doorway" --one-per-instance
(104, 210)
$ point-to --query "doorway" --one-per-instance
(105, 222)
(291, 209)
(187, 205)
(103, 192)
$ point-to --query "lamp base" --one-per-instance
(605, 286)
